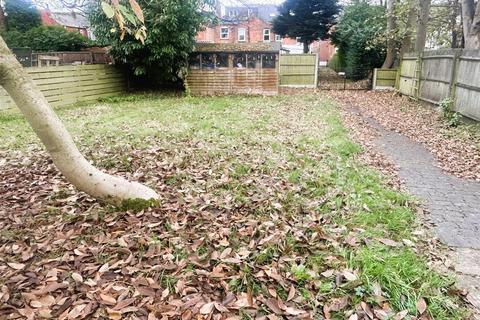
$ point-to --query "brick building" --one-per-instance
(70, 20)
(253, 24)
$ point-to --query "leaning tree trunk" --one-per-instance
(58, 142)
(391, 27)
(422, 22)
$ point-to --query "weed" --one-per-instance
(452, 117)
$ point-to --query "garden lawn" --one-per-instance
(264, 211)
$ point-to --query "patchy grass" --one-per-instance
(262, 198)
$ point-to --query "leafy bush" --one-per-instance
(356, 34)
(46, 38)
(337, 62)
(452, 117)
(22, 15)
(171, 29)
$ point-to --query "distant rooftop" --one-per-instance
(238, 47)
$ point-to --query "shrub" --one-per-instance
(452, 117)
(22, 15)
(337, 62)
(46, 38)
(171, 29)
(356, 36)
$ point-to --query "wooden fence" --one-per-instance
(436, 75)
(384, 78)
(69, 84)
(298, 70)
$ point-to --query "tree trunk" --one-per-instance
(391, 27)
(306, 48)
(58, 142)
(453, 24)
(406, 45)
(422, 22)
(471, 24)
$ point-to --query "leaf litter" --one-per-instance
(237, 235)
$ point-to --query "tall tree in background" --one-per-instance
(22, 15)
(309, 20)
(359, 37)
(422, 22)
(391, 31)
(471, 23)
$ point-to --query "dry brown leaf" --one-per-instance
(421, 306)
(207, 308)
(16, 266)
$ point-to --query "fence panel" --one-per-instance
(70, 84)
(384, 78)
(467, 87)
(444, 73)
(407, 83)
(298, 70)
(436, 75)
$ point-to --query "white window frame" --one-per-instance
(278, 38)
(265, 34)
(242, 32)
(222, 33)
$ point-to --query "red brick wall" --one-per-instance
(324, 48)
(253, 27)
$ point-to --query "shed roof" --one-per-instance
(238, 47)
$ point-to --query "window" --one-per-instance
(253, 61)
(222, 60)
(278, 38)
(194, 61)
(266, 35)
(268, 61)
(241, 34)
(233, 13)
(224, 33)
(207, 61)
(239, 60)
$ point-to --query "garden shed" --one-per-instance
(234, 68)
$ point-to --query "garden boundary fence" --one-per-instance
(436, 75)
(298, 70)
(66, 85)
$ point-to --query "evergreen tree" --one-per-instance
(309, 20)
(22, 15)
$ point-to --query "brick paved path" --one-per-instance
(453, 203)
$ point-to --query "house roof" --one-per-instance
(266, 12)
(238, 47)
(67, 19)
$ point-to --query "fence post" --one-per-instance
(418, 74)
(453, 80)
(399, 73)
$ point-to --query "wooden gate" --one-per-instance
(298, 70)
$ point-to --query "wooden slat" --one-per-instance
(69, 84)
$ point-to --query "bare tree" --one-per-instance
(422, 21)
(391, 31)
(58, 142)
(471, 23)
